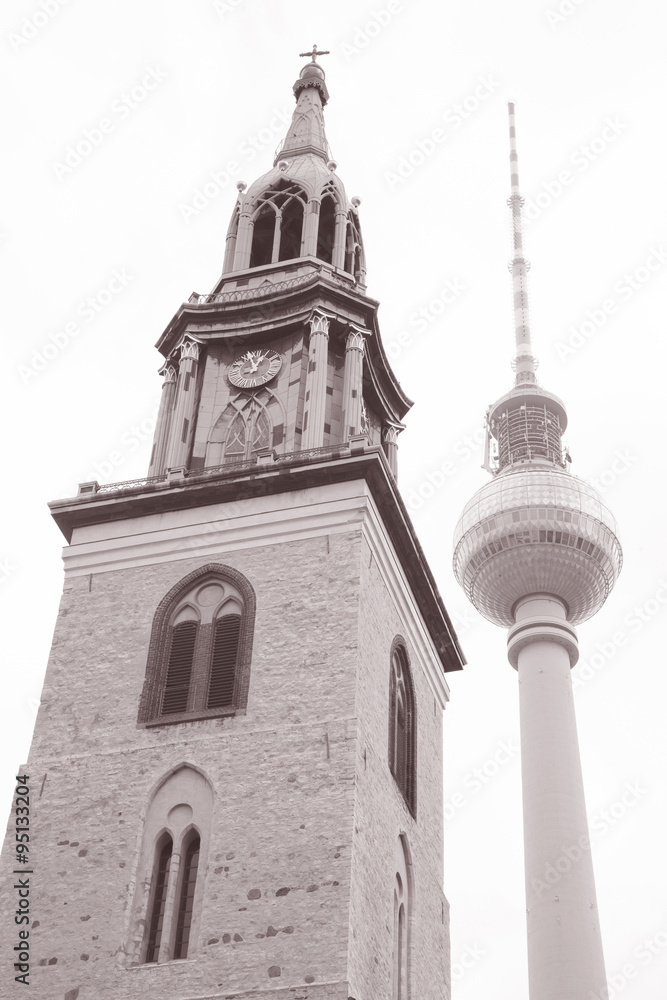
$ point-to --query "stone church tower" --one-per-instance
(236, 773)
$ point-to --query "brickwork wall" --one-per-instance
(297, 891)
(381, 815)
(283, 778)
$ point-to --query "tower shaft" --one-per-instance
(565, 959)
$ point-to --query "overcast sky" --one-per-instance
(127, 126)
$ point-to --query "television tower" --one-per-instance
(536, 550)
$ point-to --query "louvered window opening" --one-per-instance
(179, 670)
(223, 664)
(159, 901)
(186, 901)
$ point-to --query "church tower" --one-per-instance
(536, 551)
(236, 773)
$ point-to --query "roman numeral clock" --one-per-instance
(254, 368)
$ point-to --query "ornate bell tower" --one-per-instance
(237, 763)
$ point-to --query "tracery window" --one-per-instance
(199, 655)
(247, 425)
(278, 224)
(402, 727)
(168, 899)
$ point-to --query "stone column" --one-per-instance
(184, 406)
(390, 434)
(163, 423)
(311, 225)
(340, 235)
(352, 382)
(316, 383)
(565, 960)
(243, 242)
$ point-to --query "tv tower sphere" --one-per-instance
(536, 530)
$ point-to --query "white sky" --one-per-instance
(219, 76)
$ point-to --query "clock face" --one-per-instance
(254, 368)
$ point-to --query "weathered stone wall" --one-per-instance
(381, 814)
(295, 893)
(283, 778)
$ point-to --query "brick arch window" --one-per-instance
(200, 649)
(402, 726)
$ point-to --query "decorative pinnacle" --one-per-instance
(524, 363)
(314, 53)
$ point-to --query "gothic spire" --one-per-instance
(306, 132)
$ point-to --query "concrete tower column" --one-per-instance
(163, 423)
(184, 407)
(565, 960)
(316, 383)
(352, 383)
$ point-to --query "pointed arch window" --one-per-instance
(159, 901)
(199, 655)
(402, 909)
(187, 897)
(278, 225)
(168, 900)
(402, 727)
(249, 432)
(327, 229)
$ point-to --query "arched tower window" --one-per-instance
(327, 229)
(159, 900)
(199, 655)
(291, 229)
(278, 224)
(169, 891)
(402, 914)
(402, 727)
(190, 862)
(263, 236)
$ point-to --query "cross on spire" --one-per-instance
(303, 55)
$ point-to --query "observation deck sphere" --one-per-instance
(534, 531)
